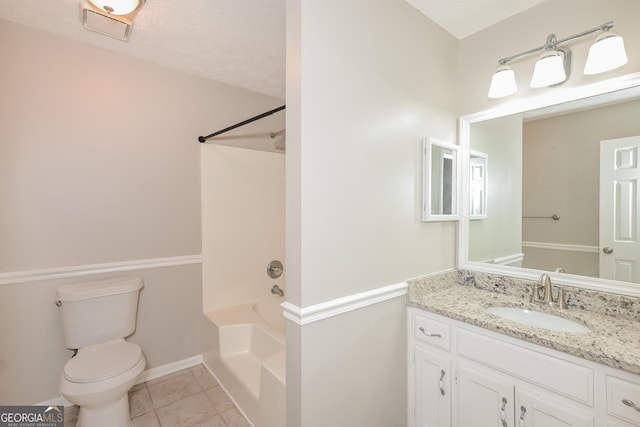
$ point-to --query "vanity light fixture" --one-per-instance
(503, 82)
(607, 53)
(554, 66)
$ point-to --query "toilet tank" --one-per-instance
(100, 311)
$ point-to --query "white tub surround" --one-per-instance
(246, 354)
(464, 295)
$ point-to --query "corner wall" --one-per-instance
(366, 81)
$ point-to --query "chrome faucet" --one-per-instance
(542, 293)
(276, 290)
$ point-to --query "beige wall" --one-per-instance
(365, 82)
(368, 92)
(500, 233)
(32, 354)
(561, 175)
(479, 53)
(355, 368)
(99, 163)
(242, 223)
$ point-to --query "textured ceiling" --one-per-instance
(239, 42)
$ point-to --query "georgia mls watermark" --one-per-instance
(31, 416)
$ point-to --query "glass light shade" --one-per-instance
(503, 83)
(116, 7)
(549, 70)
(606, 53)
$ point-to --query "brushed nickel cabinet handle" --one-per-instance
(523, 411)
(503, 415)
(440, 382)
(630, 404)
(429, 334)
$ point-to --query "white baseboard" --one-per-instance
(56, 401)
(147, 375)
(169, 368)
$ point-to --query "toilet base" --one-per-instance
(114, 414)
(103, 403)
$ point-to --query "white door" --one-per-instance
(485, 399)
(619, 207)
(534, 409)
(433, 389)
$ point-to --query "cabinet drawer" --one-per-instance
(558, 375)
(432, 332)
(621, 397)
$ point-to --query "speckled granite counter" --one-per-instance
(614, 320)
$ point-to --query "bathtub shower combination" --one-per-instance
(244, 347)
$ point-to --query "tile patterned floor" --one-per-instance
(188, 398)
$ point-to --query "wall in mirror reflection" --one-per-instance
(540, 167)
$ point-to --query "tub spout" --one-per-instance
(275, 289)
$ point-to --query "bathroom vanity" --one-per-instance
(471, 368)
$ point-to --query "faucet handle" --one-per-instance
(535, 293)
(562, 303)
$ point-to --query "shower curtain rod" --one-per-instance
(203, 139)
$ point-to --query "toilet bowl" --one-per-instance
(96, 318)
(98, 379)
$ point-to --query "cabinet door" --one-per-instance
(534, 409)
(433, 389)
(485, 399)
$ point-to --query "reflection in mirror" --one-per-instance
(478, 184)
(579, 163)
(440, 186)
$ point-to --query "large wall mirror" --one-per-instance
(563, 195)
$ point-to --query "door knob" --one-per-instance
(607, 250)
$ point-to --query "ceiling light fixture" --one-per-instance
(117, 7)
(554, 66)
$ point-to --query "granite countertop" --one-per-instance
(613, 341)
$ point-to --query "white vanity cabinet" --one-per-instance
(465, 376)
(623, 401)
(488, 399)
(432, 373)
(432, 388)
(484, 399)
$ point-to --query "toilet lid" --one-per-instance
(102, 361)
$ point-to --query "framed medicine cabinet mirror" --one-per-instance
(563, 196)
(478, 184)
(441, 177)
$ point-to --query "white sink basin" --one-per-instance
(538, 319)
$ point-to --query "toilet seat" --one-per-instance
(102, 361)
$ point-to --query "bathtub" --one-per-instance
(244, 348)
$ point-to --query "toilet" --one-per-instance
(96, 318)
